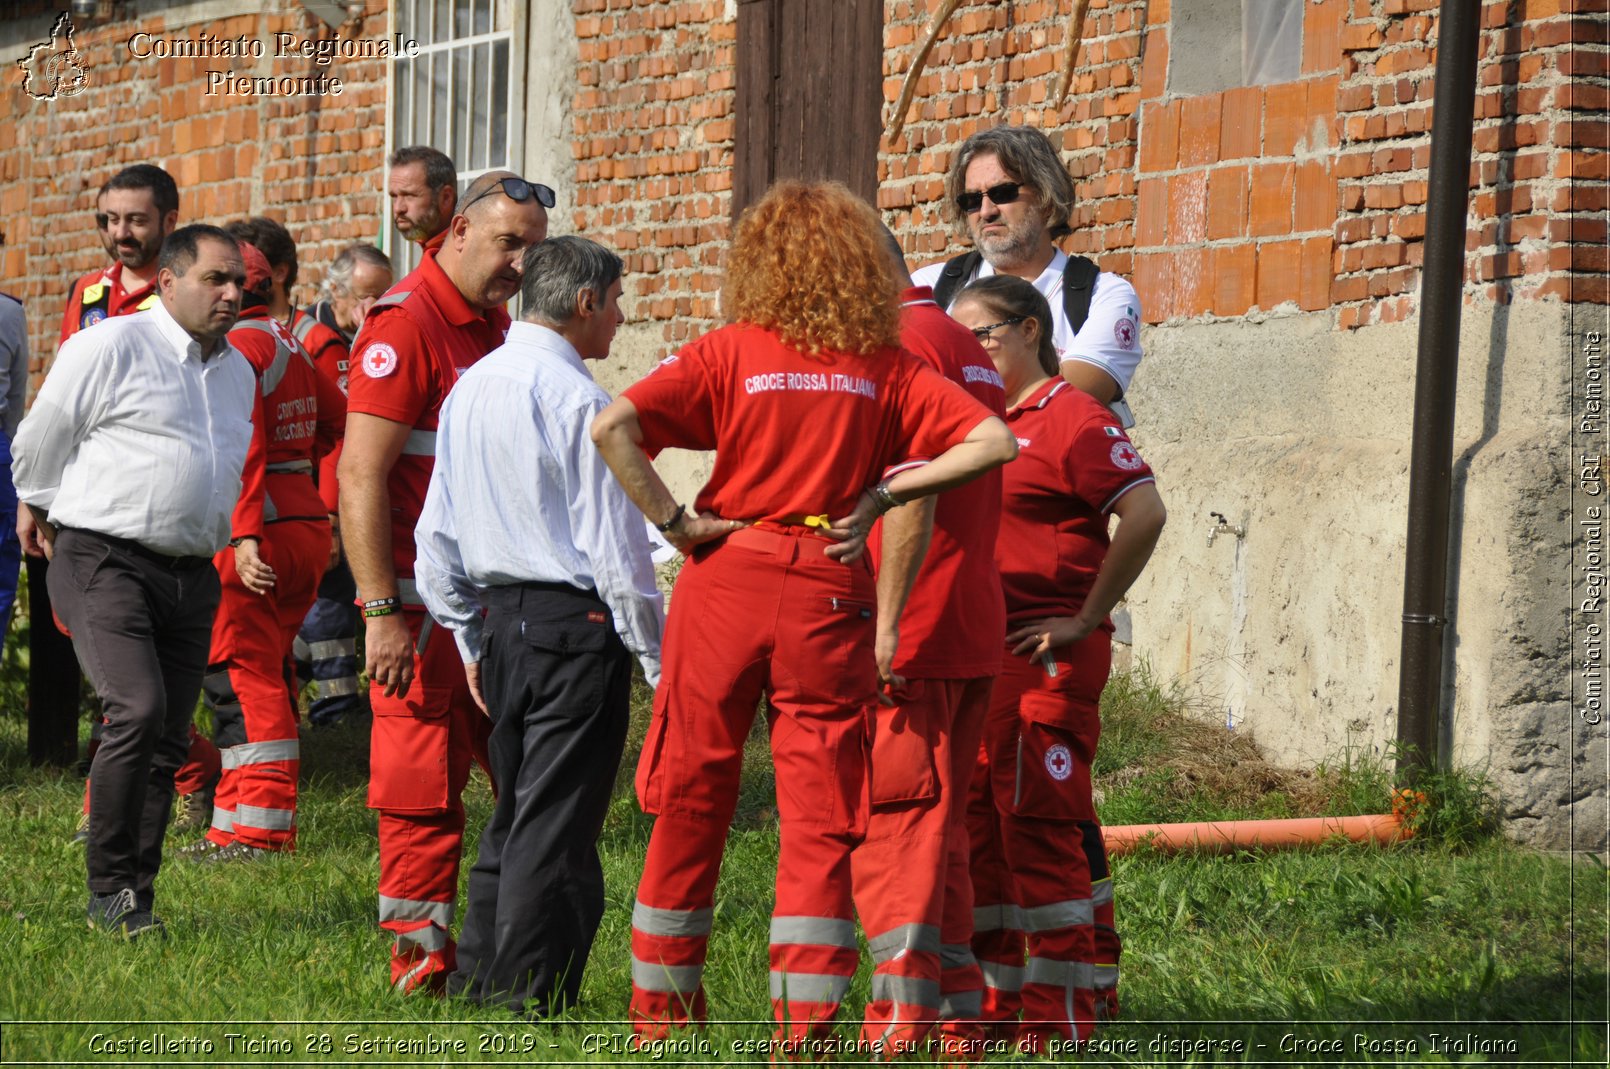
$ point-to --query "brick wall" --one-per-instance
(314, 162)
(1305, 196)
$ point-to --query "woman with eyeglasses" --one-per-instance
(1039, 867)
(806, 398)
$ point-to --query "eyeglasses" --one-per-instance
(983, 333)
(1005, 193)
(517, 189)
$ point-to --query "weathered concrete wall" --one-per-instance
(1302, 434)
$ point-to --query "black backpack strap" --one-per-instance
(1078, 286)
(955, 276)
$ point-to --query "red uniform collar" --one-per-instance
(917, 295)
(1039, 398)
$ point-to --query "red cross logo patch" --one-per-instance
(379, 360)
(1059, 762)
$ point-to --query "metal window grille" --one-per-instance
(455, 93)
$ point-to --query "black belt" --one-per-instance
(128, 545)
(509, 595)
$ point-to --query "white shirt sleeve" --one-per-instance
(439, 570)
(1110, 337)
(611, 538)
(69, 400)
(929, 275)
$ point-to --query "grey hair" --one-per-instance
(559, 268)
(338, 279)
(1028, 156)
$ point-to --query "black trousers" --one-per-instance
(142, 625)
(556, 678)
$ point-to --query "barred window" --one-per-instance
(455, 94)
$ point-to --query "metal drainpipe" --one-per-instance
(1425, 582)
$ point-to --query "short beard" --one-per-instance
(135, 259)
(1005, 252)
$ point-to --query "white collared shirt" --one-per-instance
(133, 435)
(520, 494)
(1110, 337)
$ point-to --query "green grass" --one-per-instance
(1313, 955)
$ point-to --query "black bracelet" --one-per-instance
(676, 518)
(234, 543)
(381, 603)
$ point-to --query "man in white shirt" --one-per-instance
(13, 394)
(524, 520)
(128, 466)
(1011, 194)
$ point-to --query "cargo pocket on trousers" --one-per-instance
(650, 778)
(902, 764)
(408, 751)
(1053, 760)
(572, 682)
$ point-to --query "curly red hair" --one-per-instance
(808, 263)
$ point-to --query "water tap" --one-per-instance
(1224, 526)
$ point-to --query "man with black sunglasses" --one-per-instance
(1009, 191)
(414, 343)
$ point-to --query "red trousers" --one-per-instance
(1028, 809)
(420, 750)
(760, 614)
(251, 637)
(912, 884)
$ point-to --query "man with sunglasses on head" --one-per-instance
(1010, 192)
(413, 345)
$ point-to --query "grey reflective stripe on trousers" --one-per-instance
(329, 649)
(408, 593)
(668, 979)
(907, 990)
(997, 918)
(255, 816)
(257, 753)
(808, 986)
(1054, 973)
(896, 943)
(956, 956)
(1000, 977)
(1104, 976)
(676, 923)
(416, 909)
(961, 1005)
(812, 931)
(420, 444)
(1068, 914)
(430, 939)
(334, 688)
(223, 819)
(288, 467)
(1101, 892)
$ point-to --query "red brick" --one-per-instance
(1315, 282)
(1154, 276)
(1151, 214)
(1271, 199)
(1235, 279)
(1199, 130)
(1159, 136)
(1193, 282)
(1285, 116)
(1315, 206)
(1154, 65)
(1279, 273)
(1360, 37)
(1322, 35)
(1187, 207)
(1241, 130)
(1227, 203)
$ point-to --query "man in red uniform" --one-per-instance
(134, 212)
(912, 883)
(423, 188)
(279, 545)
(326, 647)
(414, 343)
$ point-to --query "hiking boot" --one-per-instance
(236, 851)
(81, 829)
(200, 850)
(120, 914)
(193, 812)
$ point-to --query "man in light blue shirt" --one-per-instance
(525, 521)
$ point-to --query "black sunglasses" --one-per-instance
(983, 333)
(519, 190)
(1005, 193)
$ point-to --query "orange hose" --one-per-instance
(1225, 836)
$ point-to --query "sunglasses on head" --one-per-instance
(1005, 193)
(518, 190)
